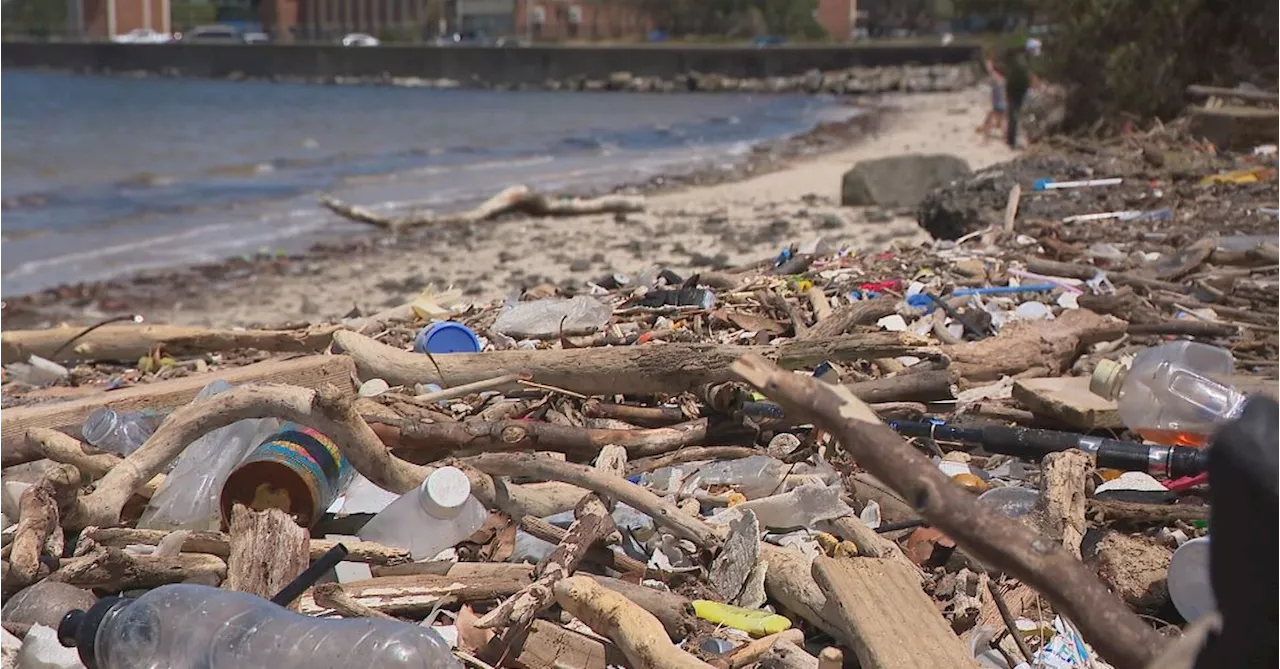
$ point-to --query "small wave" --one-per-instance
(32, 266)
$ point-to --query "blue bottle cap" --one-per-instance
(446, 337)
(1041, 184)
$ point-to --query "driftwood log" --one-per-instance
(115, 570)
(925, 386)
(39, 509)
(432, 441)
(1022, 346)
(674, 611)
(130, 342)
(631, 370)
(512, 200)
(616, 488)
(219, 544)
(660, 416)
(750, 652)
(637, 633)
(1116, 632)
(268, 550)
(417, 594)
(91, 462)
(332, 596)
(67, 416)
(845, 318)
(787, 655)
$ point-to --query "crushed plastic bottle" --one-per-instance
(188, 500)
(803, 507)
(122, 433)
(754, 476)
(189, 626)
(1168, 394)
(37, 371)
(430, 518)
(548, 317)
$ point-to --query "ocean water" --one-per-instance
(105, 176)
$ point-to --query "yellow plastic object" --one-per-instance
(752, 621)
(1252, 175)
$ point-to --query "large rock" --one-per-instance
(45, 603)
(1238, 128)
(899, 181)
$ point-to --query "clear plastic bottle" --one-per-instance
(430, 518)
(121, 433)
(754, 476)
(188, 500)
(1168, 396)
(198, 627)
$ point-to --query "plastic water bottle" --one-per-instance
(198, 627)
(1168, 396)
(430, 518)
(188, 500)
(122, 433)
(755, 476)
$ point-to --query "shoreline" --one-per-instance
(785, 191)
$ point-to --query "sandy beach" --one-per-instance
(697, 228)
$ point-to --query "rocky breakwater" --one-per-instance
(851, 81)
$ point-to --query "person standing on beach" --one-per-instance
(996, 115)
(1017, 82)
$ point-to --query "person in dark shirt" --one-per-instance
(1017, 81)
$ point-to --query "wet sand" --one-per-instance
(684, 228)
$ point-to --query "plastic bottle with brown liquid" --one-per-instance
(297, 469)
(1168, 395)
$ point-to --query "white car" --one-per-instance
(360, 39)
(142, 36)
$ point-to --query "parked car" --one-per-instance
(768, 40)
(256, 38)
(464, 38)
(212, 34)
(360, 39)
(142, 36)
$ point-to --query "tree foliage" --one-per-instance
(1133, 59)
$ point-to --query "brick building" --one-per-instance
(570, 20)
(104, 19)
(838, 17)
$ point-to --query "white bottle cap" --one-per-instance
(1107, 378)
(445, 491)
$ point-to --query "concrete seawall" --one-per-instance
(491, 65)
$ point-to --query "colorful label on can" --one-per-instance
(313, 456)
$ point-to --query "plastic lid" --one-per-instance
(1189, 584)
(1106, 379)
(446, 337)
(79, 629)
(445, 491)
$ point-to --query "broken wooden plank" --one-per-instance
(892, 623)
(268, 550)
(309, 372)
(546, 645)
(1067, 400)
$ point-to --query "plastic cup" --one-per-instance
(1189, 584)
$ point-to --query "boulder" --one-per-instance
(899, 181)
(1238, 128)
(45, 603)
